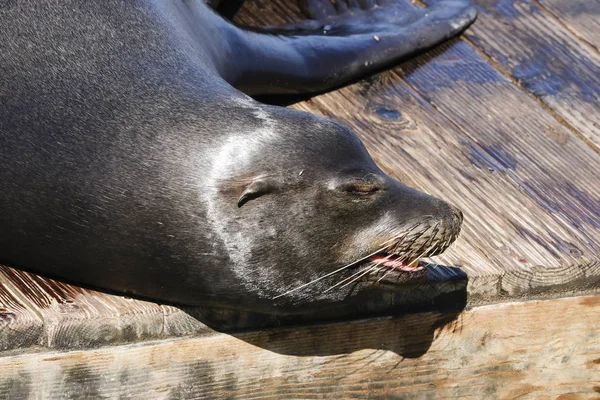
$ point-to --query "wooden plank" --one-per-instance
(53, 314)
(546, 160)
(20, 326)
(537, 349)
(527, 184)
(545, 58)
(74, 317)
(581, 16)
(508, 244)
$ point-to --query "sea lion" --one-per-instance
(133, 161)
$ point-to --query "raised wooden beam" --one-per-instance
(44, 312)
(535, 349)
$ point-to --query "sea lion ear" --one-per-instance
(258, 187)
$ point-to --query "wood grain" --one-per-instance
(544, 159)
(548, 60)
(530, 350)
(449, 124)
(20, 326)
(580, 16)
(74, 317)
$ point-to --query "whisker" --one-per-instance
(368, 270)
(416, 259)
(384, 246)
(406, 256)
(330, 273)
(386, 258)
(432, 261)
(443, 260)
(387, 272)
(397, 237)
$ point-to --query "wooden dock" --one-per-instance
(503, 122)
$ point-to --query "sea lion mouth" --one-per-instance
(396, 271)
(397, 262)
(391, 269)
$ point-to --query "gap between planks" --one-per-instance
(556, 19)
(498, 67)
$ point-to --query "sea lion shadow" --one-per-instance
(404, 322)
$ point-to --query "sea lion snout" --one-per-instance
(427, 234)
(414, 225)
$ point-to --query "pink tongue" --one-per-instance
(396, 263)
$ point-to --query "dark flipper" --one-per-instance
(340, 42)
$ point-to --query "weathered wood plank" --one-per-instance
(519, 188)
(508, 246)
(537, 349)
(74, 317)
(547, 59)
(546, 160)
(581, 16)
(20, 326)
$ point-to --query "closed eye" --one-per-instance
(359, 188)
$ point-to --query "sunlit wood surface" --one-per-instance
(503, 122)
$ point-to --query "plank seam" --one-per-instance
(553, 17)
(512, 177)
(498, 67)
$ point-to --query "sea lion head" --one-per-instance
(308, 218)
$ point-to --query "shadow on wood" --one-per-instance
(40, 311)
(445, 293)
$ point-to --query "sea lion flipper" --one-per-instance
(344, 41)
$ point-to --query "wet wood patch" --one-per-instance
(582, 17)
(545, 57)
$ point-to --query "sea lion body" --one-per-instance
(131, 164)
